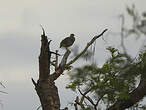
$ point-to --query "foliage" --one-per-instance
(111, 82)
(116, 78)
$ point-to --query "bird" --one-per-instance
(68, 41)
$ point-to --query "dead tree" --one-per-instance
(45, 86)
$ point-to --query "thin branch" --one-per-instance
(56, 63)
(34, 83)
(79, 103)
(85, 49)
(3, 92)
(76, 107)
(64, 59)
(83, 96)
(43, 29)
(2, 85)
(61, 67)
(39, 107)
(55, 53)
(98, 100)
(87, 97)
(76, 103)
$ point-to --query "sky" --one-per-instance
(20, 40)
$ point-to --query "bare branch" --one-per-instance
(61, 67)
(39, 107)
(98, 100)
(3, 92)
(2, 85)
(43, 29)
(87, 97)
(34, 83)
(56, 63)
(76, 107)
(55, 53)
(52, 63)
(77, 102)
(83, 95)
(85, 49)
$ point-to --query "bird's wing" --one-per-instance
(64, 42)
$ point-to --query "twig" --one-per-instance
(76, 107)
(88, 44)
(39, 107)
(34, 83)
(87, 97)
(43, 29)
(2, 85)
(56, 63)
(99, 100)
(3, 92)
(55, 53)
(61, 67)
(52, 63)
(76, 103)
(79, 103)
(83, 95)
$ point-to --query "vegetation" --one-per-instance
(120, 82)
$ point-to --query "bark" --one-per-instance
(45, 86)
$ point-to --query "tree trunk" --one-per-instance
(45, 86)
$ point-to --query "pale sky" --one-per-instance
(20, 39)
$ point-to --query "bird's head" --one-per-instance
(72, 35)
